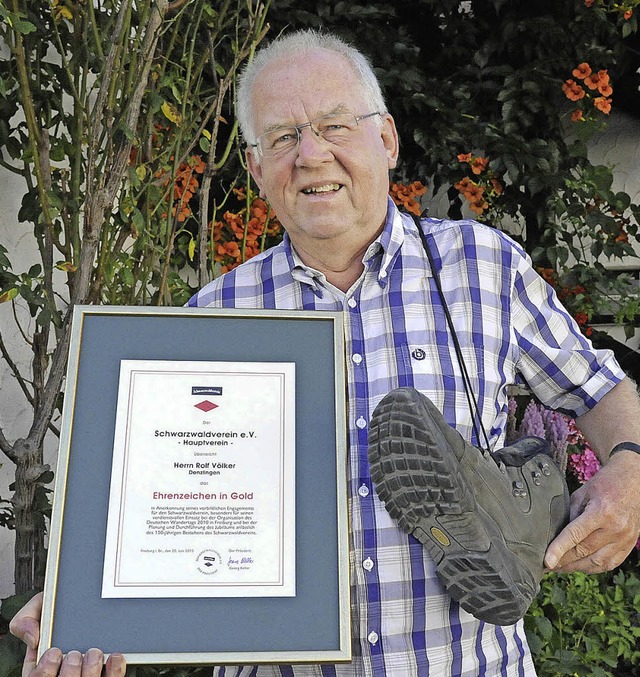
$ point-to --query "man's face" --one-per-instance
(322, 193)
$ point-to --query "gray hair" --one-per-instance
(297, 44)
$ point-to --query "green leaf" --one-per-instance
(544, 627)
(622, 201)
(536, 644)
(599, 672)
(44, 317)
(8, 295)
(58, 150)
(23, 26)
(137, 219)
(46, 477)
(627, 29)
(596, 248)
(177, 94)
(155, 101)
(55, 200)
(127, 277)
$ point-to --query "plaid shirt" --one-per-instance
(511, 329)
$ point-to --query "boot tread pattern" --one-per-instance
(426, 493)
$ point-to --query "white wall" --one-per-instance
(619, 146)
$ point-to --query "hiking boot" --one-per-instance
(485, 518)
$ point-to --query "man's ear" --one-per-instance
(390, 139)
(253, 163)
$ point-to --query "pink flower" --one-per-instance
(556, 432)
(584, 464)
(532, 423)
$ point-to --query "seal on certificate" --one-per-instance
(208, 562)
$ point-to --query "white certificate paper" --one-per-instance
(202, 494)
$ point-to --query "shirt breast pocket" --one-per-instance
(435, 371)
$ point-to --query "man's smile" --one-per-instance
(326, 188)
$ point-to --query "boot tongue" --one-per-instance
(518, 453)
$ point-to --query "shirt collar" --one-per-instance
(388, 242)
(300, 271)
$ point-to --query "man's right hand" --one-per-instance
(26, 626)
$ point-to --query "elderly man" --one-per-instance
(320, 145)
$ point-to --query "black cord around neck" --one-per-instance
(476, 419)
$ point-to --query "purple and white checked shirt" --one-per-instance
(511, 328)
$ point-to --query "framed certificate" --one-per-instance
(200, 504)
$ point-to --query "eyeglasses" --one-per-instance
(337, 129)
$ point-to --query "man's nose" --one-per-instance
(312, 147)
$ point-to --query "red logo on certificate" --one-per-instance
(205, 405)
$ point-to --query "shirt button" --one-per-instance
(352, 303)
(368, 564)
(361, 423)
(373, 637)
(357, 358)
(363, 490)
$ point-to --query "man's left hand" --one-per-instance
(605, 520)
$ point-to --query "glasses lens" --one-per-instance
(335, 128)
(278, 141)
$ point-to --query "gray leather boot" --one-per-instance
(486, 519)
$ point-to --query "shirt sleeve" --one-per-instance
(555, 359)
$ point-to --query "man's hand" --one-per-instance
(74, 664)
(605, 520)
(26, 626)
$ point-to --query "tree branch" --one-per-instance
(13, 367)
(6, 448)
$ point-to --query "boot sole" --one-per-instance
(426, 492)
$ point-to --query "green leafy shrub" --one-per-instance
(587, 625)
